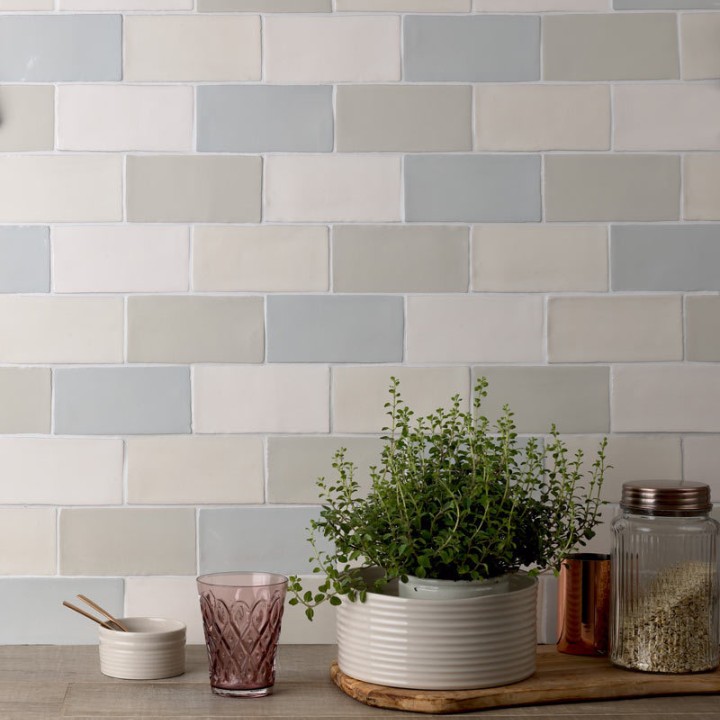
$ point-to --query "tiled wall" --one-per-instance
(225, 223)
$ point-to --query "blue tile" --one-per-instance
(24, 259)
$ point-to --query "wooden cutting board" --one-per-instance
(559, 678)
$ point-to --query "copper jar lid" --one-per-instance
(666, 498)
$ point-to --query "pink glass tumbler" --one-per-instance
(242, 613)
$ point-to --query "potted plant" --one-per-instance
(456, 501)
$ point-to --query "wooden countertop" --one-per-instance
(65, 682)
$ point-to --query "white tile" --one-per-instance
(501, 6)
(28, 536)
(434, 6)
(298, 630)
(152, 5)
(26, 5)
(701, 460)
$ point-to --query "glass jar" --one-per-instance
(664, 610)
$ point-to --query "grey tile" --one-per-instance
(410, 258)
(115, 401)
(264, 6)
(702, 327)
(483, 48)
(60, 48)
(666, 4)
(263, 118)
(33, 613)
(24, 259)
(576, 399)
(612, 187)
(472, 188)
(665, 257)
(598, 46)
(270, 539)
(326, 328)
(25, 400)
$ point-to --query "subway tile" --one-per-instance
(666, 4)
(327, 188)
(308, 49)
(327, 328)
(294, 6)
(575, 399)
(698, 44)
(127, 541)
(610, 47)
(472, 188)
(60, 188)
(615, 328)
(195, 470)
(475, 49)
(60, 48)
(153, 5)
(195, 329)
(474, 329)
(34, 613)
(701, 459)
(296, 630)
(265, 118)
(28, 118)
(120, 258)
(25, 400)
(542, 117)
(26, 5)
(665, 257)
(612, 187)
(410, 118)
(274, 540)
(393, 259)
(434, 6)
(24, 260)
(191, 188)
(261, 398)
(702, 329)
(295, 463)
(125, 117)
(122, 401)
(44, 329)
(267, 258)
(192, 48)
(539, 258)
(702, 176)
(359, 394)
(30, 532)
(61, 471)
(504, 6)
(666, 398)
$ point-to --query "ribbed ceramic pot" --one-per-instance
(460, 644)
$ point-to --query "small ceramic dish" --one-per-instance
(153, 649)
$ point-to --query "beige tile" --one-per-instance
(702, 179)
(359, 393)
(61, 471)
(26, 5)
(701, 459)
(30, 532)
(151, 5)
(264, 5)
(615, 329)
(702, 327)
(328, 188)
(120, 258)
(25, 400)
(127, 541)
(61, 329)
(192, 47)
(474, 329)
(267, 259)
(540, 5)
(539, 258)
(28, 117)
(666, 398)
(193, 188)
(443, 6)
(60, 188)
(195, 470)
(699, 46)
(125, 117)
(331, 49)
(612, 187)
(542, 117)
(195, 329)
(264, 398)
(296, 630)
(403, 118)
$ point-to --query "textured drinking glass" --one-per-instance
(242, 613)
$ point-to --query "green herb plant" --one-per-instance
(455, 498)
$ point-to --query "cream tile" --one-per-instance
(474, 329)
(61, 329)
(702, 327)
(195, 470)
(443, 6)
(153, 5)
(192, 47)
(540, 5)
(699, 46)
(539, 258)
(701, 459)
(26, 5)
(308, 188)
(28, 117)
(702, 179)
(25, 400)
(331, 49)
(30, 532)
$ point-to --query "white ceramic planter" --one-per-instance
(460, 644)
(433, 589)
